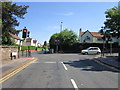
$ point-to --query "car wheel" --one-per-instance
(86, 53)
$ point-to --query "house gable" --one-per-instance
(87, 37)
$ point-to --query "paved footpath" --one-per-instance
(12, 65)
(110, 60)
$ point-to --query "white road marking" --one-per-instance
(74, 84)
(44, 62)
(64, 66)
(81, 84)
(49, 62)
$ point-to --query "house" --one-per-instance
(93, 37)
(39, 45)
(30, 42)
(90, 37)
(17, 39)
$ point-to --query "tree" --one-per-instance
(10, 13)
(112, 23)
(66, 37)
(53, 38)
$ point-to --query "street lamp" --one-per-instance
(61, 27)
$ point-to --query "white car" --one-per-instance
(91, 50)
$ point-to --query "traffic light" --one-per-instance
(28, 33)
(24, 34)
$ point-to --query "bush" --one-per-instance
(26, 48)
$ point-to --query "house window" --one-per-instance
(88, 38)
(99, 39)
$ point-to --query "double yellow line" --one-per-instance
(15, 71)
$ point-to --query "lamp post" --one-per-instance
(60, 37)
(61, 27)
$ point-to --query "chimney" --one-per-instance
(80, 37)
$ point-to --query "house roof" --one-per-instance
(15, 36)
(95, 34)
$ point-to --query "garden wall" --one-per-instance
(5, 52)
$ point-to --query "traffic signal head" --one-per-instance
(24, 34)
(28, 33)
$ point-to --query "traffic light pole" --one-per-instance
(25, 34)
(111, 45)
(19, 49)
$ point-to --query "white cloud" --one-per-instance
(68, 14)
(65, 14)
(54, 28)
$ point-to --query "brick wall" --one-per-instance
(5, 52)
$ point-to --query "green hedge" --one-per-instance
(26, 48)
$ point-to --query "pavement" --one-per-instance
(11, 65)
(110, 60)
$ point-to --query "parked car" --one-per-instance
(91, 50)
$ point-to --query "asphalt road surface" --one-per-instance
(64, 71)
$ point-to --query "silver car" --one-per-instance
(91, 50)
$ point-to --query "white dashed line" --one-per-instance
(74, 84)
(64, 66)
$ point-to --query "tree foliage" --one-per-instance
(112, 23)
(66, 37)
(10, 13)
(53, 38)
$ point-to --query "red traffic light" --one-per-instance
(24, 34)
(24, 30)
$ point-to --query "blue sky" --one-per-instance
(43, 18)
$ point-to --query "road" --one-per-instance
(64, 71)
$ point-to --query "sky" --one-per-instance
(44, 18)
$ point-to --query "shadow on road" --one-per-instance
(89, 65)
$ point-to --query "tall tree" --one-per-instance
(10, 13)
(112, 23)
